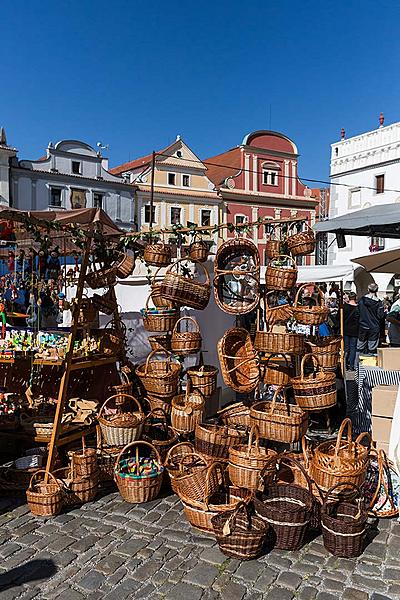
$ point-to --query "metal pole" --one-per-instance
(153, 168)
(341, 328)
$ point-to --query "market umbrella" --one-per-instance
(385, 261)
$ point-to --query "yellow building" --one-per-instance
(182, 191)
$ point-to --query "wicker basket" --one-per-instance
(101, 278)
(186, 342)
(84, 463)
(200, 512)
(272, 248)
(246, 462)
(276, 373)
(198, 249)
(301, 243)
(279, 276)
(159, 377)
(159, 319)
(310, 315)
(156, 402)
(340, 461)
(112, 338)
(160, 342)
(106, 457)
(237, 276)
(235, 414)
(287, 509)
(279, 421)
(273, 314)
(88, 313)
(173, 460)
(139, 487)
(272, 342)
(381, 486)
(214, 441)
(158, 255)
(125, 387)
(156, 294)
(85, 488)
(124, 266)
(239, 362)
(343, 523)
(44, 499)
(190, 481)
(183, 289)
(187, 410)
(121, 428)
(240, 533)
(106, 303)
(316, 391)
(157, 432)
(203, 378)
(327, 350)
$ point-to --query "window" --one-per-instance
(240, 219)
(76, 167)
(185, 180)
(206, 217)
(147, 214)
(98, 200)
(379, 184)
(175, 215)
(55, 197)
(171, 178)
(270, 177)
(377, 243)
(179, 153)
(355, 198)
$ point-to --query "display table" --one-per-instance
(359, 399)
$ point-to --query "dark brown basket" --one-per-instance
(186, 342)
(85, 462)
(101, 278)
(112, 338)
(160, 342)
(239, 362)
(190, 482)
(158, 255)
(106, 457)
(343, 524)
(240, 533)
(279, 421)
(301, 243)
(279, 276)
(316, 391)
(44, 499)
(106, 304)
(183, 289)
(273, 314)
(310, 315)
(214, 441)
(272, 248)
(157, 432)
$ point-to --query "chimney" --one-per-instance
(381, 119)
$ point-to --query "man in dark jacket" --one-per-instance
(372, 319)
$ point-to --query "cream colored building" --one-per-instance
(182, 191)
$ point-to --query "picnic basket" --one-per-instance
(183, 289)
(247, 461)
(279, 421)
(106, 303)
(240, 533)
(139, 478)
(187, 410)
(186, 342)
(310, 315)
(273, 342)
(214, 441)
(158, 254)
(327, 350)
(121, 427)
(156, 295)
(112, 338)
(301, 243)
(343, 522)
(160, 342)
(235, 414)
(276, 372)
(316, 391)
(106, 457)
(280, 276)
(203, 378)
(159, 377)
(238, 360)
(44, 499)
(101, 277)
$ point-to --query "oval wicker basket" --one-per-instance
(203, 378)
(186, 342)
(112, 338)
(327, 350)
(156, 295)
(239, 362)
(310, 315)
(156, 402)
(160, 342)
(139, 487)
(191, 481)
(279, 421)
(101, 278)
(121, 428)
(158, 255)
(159, 319)
(301, 243)
(159, 377)
(214, 441)
(273, 314)
(183, 289)
(279, 276)
(124, 266)
(247, 461)
(198, 249)
(276, 373)
(272, 342)
(316, 391)
(235, 414)
(272, 248)
(237, 276)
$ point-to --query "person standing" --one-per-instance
(393, 320)
(351, 321)
(372, 320)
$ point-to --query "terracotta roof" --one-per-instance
(142, 161)
(218, 174)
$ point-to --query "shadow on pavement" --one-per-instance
(30, 571)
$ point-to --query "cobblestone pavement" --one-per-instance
(112, 550)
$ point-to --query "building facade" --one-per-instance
(71, 175)
(258, 179)
(183, 191)
(7, 153)
(365, 171)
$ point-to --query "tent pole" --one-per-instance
(341, 328)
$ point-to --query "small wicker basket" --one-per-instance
(280, 276)
(158, 255)
(186, 342)
(301, 243)
(121, 428)
(138, 487)
(44, 499)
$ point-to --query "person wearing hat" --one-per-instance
(372, 320)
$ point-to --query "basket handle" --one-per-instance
(153, 353)
(197, 326)
(253, 433)
(305, 450)
(283, 256)
(46, 473)
(277, 354)
(99, 441)
(153, 412)
(191, 454)
(173, 448)
(298, 465)
(211, 468)
(382, 464)
(119, 396)
(282, 389)
(320, 293)
(294, 223)
(316, 365)
(345, 423)
(363, 435)
(197, 262)
(338, 485)
(146, 306)
(137, 443)
(226, 530)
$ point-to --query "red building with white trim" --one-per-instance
(259, 179)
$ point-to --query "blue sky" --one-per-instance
(135, 74)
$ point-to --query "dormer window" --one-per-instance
(270, 177)
(171, 179)
(179, 153)
(76, 167)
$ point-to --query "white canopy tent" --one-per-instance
(321, 273)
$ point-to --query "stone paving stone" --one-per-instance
(278, 593)
(267, 577)
(326, 596)
(146, 570)
(109, 564)
(307, 593)
(249, 571)
(9, 549)
(213, 556)
(233, 590)
(203, 575)
(126, 589)
(184, 591)
(84, 544)
(376, 596)
(131, 547)
(289, 580)
(91, 581)
(354, 594)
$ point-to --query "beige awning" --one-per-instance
(385, 261)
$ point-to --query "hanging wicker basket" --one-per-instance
(272, 248)
(279, 421)
(112, 338)
(88, 313)
(156, 294)
(235, 414)
(239, 362)
(158, 255)
(276, 372)
(247, 461)
(124, 265)
(159, 319)
(301, 243)
(159, 377)
(198, 249)
(312, 314)
(281, 276)
(203, 378)
(139, 478)
(160, 342)
(183, 289)
(44, 499)
(101, 278)
(106, 303)
(327, 350)
(186, 342)
(316, 391)
(280, 313)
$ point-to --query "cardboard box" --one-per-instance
(383, 446)
(389, 359)
(381, 427)
(384, 400)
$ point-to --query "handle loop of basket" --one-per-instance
(320, 293)
(279, 257)
(243, 362)
(173, 449)
(153, 353)
(215, 465)
(305, 450)
(277, 354)
(335, 498)
(187, 318)
(282, 389)
(46, 473)
(192, 454)
(137, 443)
(345, 423)
(362, 435)
(383, 465)
(302, 231)
(253, 433)
(288, 459)
(196, 262)
(227, 529)
(119, 396)
(316, 365)
(164, 420)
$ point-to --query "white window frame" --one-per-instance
(170, 214)
(144, 213)
(245, 219)
(351, 192)
(188, 176)
(56, 187)
(103, 196)
(267, 179)
(171, 184)
(78, 162)
(201, 216)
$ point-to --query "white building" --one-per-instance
(365, 171)
(7, 153)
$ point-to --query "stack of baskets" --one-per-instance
(160, 379)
